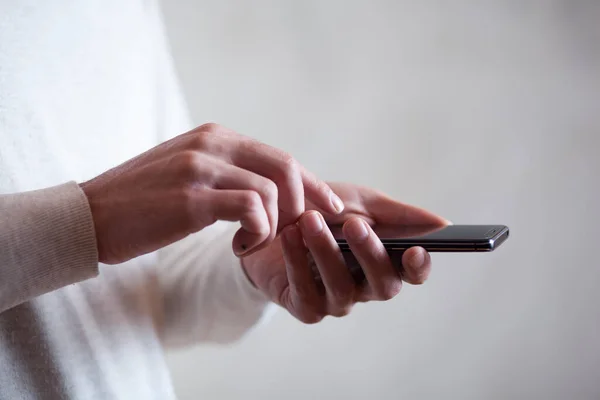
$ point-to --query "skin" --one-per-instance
(212, 173)
(282, 269)
(186, 184)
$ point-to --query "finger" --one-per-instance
(338, 282)
(320, 194)
(383, 279)
(229, 177)
(293, 181)
(244, 206)
(196, 169)
(416, 265)
(388, 211)
(251, 155)
(303, 299)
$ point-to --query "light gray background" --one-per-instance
(485, 112)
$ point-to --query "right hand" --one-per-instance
(193, 180)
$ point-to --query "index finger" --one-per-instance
(319, 193)
(294, 182)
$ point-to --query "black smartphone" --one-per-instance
(451, 238)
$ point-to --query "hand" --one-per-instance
(193, 180)
(283, 271)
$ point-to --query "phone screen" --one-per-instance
(390, 233)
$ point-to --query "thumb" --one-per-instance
(385, 210)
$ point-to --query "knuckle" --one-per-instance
(209, 127)
(341, 312)
(201, 139)
(341, 297)
(284, 164)
(288, 162)
(289, 166)
(209, 138)
(187, 162)
(309, 318)
(192, 167)
(250, 201)
(388, 290)
(269, 189)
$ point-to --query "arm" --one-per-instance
(47, 241)
(206, 294)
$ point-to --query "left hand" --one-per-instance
(283, 272)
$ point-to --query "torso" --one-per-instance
(79, 95)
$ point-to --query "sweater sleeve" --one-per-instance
(47, 241)
(207, 296)
(205, 293)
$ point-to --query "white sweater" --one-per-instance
(84, 86)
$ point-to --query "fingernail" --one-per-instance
(311, 224)
(244, 242)
(242, 249)
(239, 248)
(357, 230)
(337, 203)
(417, 260)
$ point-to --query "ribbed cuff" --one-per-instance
(47, 241)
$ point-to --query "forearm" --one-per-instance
(47, 241)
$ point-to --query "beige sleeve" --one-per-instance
(47, 241)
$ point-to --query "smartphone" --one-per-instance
(451, 238)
